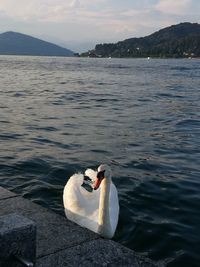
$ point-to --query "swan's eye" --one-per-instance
(100, 175)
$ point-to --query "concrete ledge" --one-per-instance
(54, 232)
(62, 243)
(96, 253)
(17, 239)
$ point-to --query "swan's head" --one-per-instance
(103, 172)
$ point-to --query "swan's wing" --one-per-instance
(71, 190)
(91, 173)
(80, 205)
(114, 207)
(75, 195)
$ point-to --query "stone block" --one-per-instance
(17, 239)
(54, 232)
(96, 253)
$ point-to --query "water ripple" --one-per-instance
(61, 115)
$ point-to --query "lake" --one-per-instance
(142, 117)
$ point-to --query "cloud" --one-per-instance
(174, 7)
(75, 3)
(84, 13)
(50, 10)
(99, 20)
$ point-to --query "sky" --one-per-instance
(81, 24)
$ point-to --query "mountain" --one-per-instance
(181, 40)
(14, 43)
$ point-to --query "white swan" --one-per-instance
(97, 209)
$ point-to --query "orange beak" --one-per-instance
(97, 183)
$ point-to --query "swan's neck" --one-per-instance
(104, 215)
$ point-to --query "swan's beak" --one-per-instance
(97, 182)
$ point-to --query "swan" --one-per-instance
(91, 200)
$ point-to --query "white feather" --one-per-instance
(82, 207)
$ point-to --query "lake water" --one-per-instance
(62, 115)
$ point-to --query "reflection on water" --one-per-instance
(62, 115)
